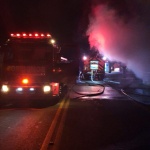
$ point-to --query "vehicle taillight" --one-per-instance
(25, 81)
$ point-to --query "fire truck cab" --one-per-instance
(30, 66)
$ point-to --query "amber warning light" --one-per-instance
(25, 81)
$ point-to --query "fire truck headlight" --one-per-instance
(46, 88)
(19, 89)
(5, 88)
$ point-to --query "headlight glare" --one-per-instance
(46, 88)
(5, 88)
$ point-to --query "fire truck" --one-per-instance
(30, 66)
(93, 68)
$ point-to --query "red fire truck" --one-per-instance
(93, 68)
(30, 66)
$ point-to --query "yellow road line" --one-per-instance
(60, 128)
(52, 128)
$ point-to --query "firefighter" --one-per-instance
(81, 68)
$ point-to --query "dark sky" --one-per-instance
(66, 20)
(62, 18)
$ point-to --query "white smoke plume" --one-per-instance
(127, 42)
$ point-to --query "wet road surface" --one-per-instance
(108, 121)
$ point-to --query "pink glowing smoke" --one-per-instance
(127, 42)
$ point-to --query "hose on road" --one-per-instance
(88, 95)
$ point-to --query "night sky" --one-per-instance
(66, 20)
(62, 18)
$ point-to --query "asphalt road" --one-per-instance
(106, 121)
(24, 126)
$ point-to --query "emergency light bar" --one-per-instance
(30, 35)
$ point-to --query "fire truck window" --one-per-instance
(38, 54)
(28, 52)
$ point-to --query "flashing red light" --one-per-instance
(18, 34)
(59, 70)
(48, 35)
(24, 34)
(30, 35)
(25, 81)
(36, 35)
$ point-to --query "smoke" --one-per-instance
(126, 41)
